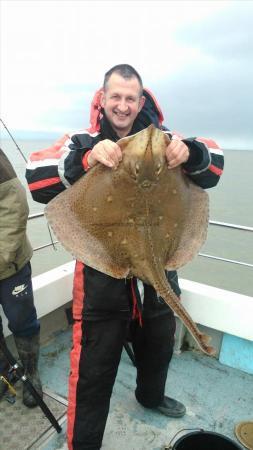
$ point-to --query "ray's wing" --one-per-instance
(91, 218)
(193, 231)
(94, 219)
(85, 218)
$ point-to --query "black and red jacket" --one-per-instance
(52, 170)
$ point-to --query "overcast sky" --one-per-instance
(195, 56)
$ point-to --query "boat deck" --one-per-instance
(216, 397)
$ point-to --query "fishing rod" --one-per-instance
(21, 375)
(9, 133)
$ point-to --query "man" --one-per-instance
(16, 293)
(103, 306)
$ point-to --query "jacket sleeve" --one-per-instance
(52, 170)
(205, 163)
(14, 213)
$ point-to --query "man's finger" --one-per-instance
(113, 151)
(119, 152)
(172, 164)
(106, 161)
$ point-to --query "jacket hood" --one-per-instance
(150, 113)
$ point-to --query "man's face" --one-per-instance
(122, 102)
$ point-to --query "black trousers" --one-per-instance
(16, 298)
(101, 348)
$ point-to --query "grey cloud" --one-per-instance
(214, 96)
(213, 103)
(228, 35)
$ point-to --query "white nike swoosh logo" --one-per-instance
(18, 289)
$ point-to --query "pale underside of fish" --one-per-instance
(137, 220)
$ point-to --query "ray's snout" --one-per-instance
(146, 184)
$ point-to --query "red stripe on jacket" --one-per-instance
(85, 161)
(43, 183)
(215, 169)
(208, 142)
(54, 151)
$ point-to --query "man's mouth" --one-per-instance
(121, 115)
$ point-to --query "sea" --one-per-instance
(231, 201)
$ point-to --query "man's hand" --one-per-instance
(106, 152)
(176, 153)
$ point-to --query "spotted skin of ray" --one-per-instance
(136, 221)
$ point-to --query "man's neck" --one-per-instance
(123, 133)
(109, 132)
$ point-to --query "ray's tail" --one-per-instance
(162, 286)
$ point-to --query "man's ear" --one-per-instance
(142, 101)
(102, 99)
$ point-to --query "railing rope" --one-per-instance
(233, 261)
(50, 244)
(36, 215)
(230, 225)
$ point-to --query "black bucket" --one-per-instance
(205, 440)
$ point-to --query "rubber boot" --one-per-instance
(28, 350)
(4, 371)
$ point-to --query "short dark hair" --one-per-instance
(125, 71)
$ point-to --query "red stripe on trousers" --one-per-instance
(78, 300)
(136, 313)
(43, 183)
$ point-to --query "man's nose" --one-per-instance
(123, 106)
